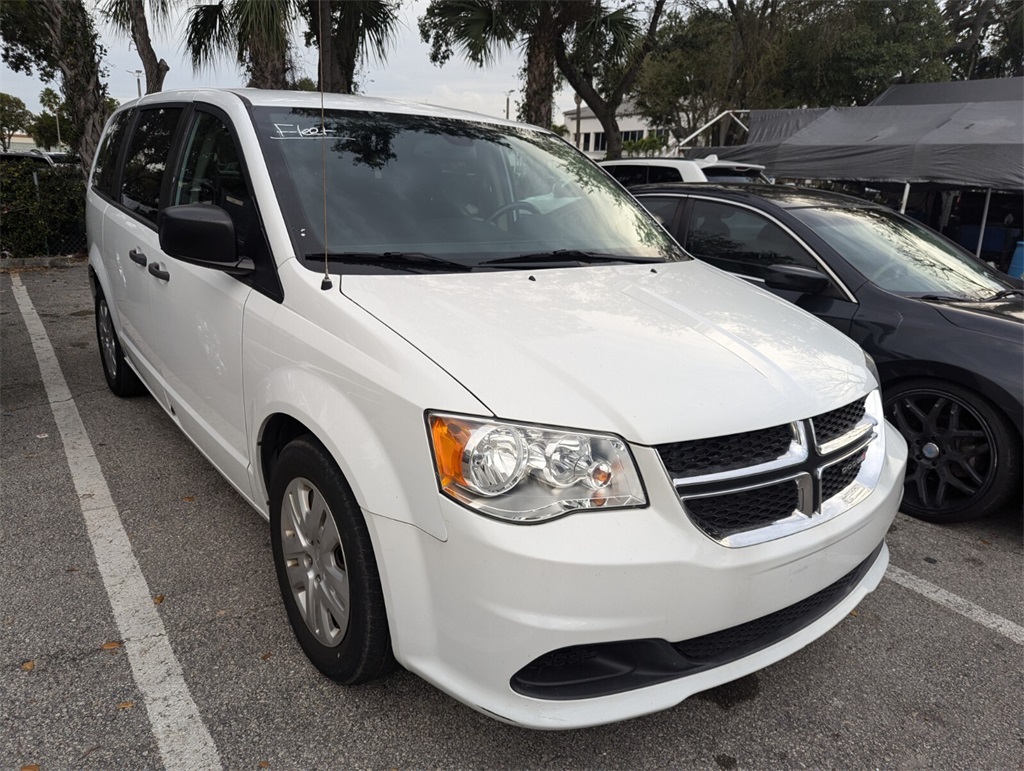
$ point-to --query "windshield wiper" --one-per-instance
(565, 255)
(945, 298)
(1004, 294)
(393, 260)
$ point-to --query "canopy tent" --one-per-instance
(973, 144)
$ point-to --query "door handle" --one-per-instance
(137, 256)
(163, 275)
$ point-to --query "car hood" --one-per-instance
(995, 317)
(654, 353)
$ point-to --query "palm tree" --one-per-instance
(256, 32)
(129, 17)
(344, 30)
(481, 28)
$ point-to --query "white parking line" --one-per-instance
(964, 607)
(182, 737)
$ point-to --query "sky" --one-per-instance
(407, 73)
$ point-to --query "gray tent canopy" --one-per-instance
(977, 142)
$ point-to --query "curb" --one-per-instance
(7, 264)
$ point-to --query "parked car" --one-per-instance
(21, 159)
(639, 171)
(506, 432)
(945, 328)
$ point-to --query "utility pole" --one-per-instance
(138, 79)
(507, 95)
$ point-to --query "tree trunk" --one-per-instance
(346, 47)
(156, 70)
(330, 78)
(540, 70)
(74, 41)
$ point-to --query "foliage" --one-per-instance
(347, 32)
(42, 210)
(988, 38)
(14, 117)
(57, 38)
(647, 147)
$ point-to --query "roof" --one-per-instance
(961, 144)
(954, 92)
(783, 196)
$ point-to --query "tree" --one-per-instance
(129, 16)
(14, 117)
(480, 28)
(684, 82)
(345, 31)
(987, 38)
(256, 32)
(600, 54)
(57, 38)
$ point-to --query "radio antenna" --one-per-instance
(326, 283)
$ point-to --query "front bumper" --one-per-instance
(470, 613)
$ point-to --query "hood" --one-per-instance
(654, 353)
(995, 317)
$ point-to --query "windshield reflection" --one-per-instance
(461, 190)
(901, 256)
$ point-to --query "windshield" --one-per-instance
(901, 256)
(442, 188)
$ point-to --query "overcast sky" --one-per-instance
(407, 74)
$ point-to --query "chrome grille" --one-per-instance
(786, 479)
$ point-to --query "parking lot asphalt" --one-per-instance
(926, 673)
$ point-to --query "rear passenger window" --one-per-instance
(629, 175)
(660, 174)
(106, 158)
(146, 161)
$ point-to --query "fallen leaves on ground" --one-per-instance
(111, 645)
(126, 705)
(28, 666)
(158, 599)
(266, 656)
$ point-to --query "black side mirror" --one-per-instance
(794, 278)
(204, 235)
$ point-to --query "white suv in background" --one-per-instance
(506, 432)
(640, 171)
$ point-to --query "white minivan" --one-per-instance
(506, 432)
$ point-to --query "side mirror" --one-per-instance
(794, 278)
(202, 234)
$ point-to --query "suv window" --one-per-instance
(628, 175)
(211, 172)
(146, 160)
(741, 241)
(658, 174)
(106, 158)
(662, 209)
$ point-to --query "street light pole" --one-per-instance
(507, 95)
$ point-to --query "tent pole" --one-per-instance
(984, 219)
(906, 195)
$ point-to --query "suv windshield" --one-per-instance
(462, 191)
(901, 256)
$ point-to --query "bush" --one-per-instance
(42, 210)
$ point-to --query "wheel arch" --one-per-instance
(367, 462)
(895, 373)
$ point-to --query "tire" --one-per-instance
(326, 566)
(121, 378)
(964, 456)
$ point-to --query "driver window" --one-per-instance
(211, 173)
(742, 241)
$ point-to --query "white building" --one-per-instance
(589, 135)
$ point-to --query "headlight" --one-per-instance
(529, 473)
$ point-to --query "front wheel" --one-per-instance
(121, 379)
(964, 458)
(326, 566)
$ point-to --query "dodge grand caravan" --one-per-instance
(506, 432)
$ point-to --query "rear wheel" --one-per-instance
(121, 379)
(326, 567)
(964, 457)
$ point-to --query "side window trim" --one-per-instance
(785, 228)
